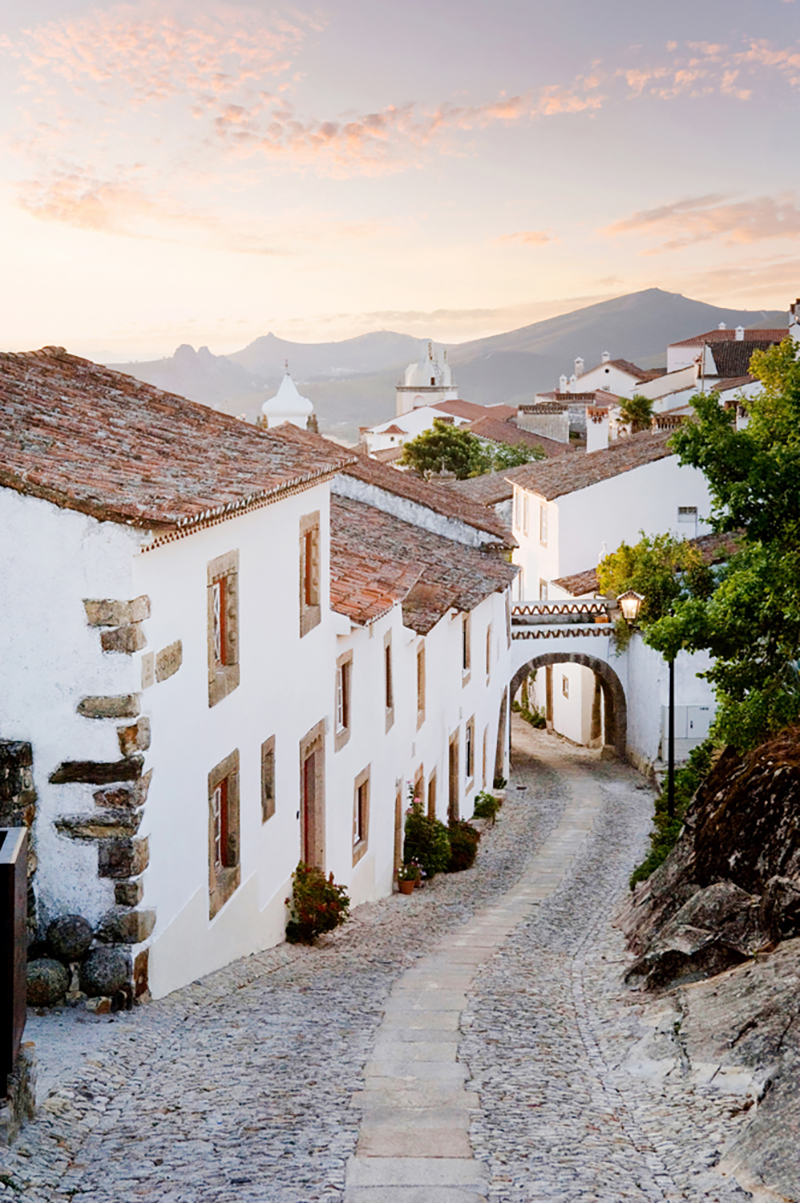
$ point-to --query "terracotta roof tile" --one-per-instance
(733, 358)
(498, 431)
(461, 409)
(377, 560)
(494, 487)
(569, 474)
(714, 549)
(435, 497)
(90, 439)
(719, 336)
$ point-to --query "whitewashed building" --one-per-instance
(224, 655)
(427, 382)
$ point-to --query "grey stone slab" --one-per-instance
(435, 1071)
(428, 1050)
(419, 1021)
(412, 1171)
(394, 1141)
(443, 1000)
(412, 1194)
(399, 1095)
(413, 1119)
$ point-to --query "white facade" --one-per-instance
(427, 382)
(54, 559)
(568, 534)
(409, 425)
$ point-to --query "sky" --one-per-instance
(207, 172)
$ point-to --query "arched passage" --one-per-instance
(614, 694)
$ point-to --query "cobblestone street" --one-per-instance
(241, 1087)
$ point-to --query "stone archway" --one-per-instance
(614, 694)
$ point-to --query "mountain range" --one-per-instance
(352, 382)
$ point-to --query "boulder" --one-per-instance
(725, 909)
(48, 982)
(686, 954)
(69, 937)
(779, 912)
(105, 972)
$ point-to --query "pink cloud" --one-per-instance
(704, 218)
(530, 237)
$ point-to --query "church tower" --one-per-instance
(427, 382)
(287, 406)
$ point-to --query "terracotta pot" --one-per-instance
(406, 887)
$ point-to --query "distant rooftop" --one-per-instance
(713, 548)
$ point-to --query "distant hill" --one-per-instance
(351, 382)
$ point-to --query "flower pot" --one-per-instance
(406, 887)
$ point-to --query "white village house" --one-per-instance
(226, 649)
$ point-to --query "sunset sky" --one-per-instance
(208, 172)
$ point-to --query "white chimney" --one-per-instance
(573, 378)
(606, 356)
(794, 320)
(597, 430)
(722, 326)
(562, 384)
(740, 334)
(579, 366)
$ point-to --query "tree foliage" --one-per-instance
(447, 448)
(750, 623)
(637, 412)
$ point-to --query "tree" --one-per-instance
(662, 568)
(750, 623)
(637, 412)
(505, 455)
(445, 448)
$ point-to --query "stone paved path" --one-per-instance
(494, 995)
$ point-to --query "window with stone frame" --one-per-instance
(343, 700)
(565, 686)
(224, 868)
(543, 524)
(469, 749)
(466, 647)
(222, 576)
(488, 651)
(310, 605)
(420, 685)
(388, 680)
(268, 779)
(360, 815)
(432, 795)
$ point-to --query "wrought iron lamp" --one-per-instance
(630, 603)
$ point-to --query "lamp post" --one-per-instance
(631, 603)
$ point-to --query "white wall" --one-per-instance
(647, 690)
(51, 560)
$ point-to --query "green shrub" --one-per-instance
(426, 841)
(666, 831)
(499, 783)
(317, 905)
(486, 806)
(464, 840)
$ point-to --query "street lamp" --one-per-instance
(631, 603)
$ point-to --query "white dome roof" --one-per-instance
(287, 403)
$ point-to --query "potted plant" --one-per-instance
(499, 788)
(408, 875)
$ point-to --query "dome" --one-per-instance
(428, 372)
(287, 405)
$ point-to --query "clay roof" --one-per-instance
(713, 548)
(377, 560)
(632, 369)
(394, 429)
(435, 497)
(733, 358)
(493, 487)
(388, 455)
(568, 474)
(90, 439)
(461, 409)
(719, 336)
(734, 382)
(497, 431)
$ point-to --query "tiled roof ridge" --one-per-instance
(713, 548)
(562, 475)
(751, 333)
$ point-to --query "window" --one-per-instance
(485, 757)
(360, 815)
(312, 796)
(542, 589)
(565, 686)
(268, 779)
(310, 608)
(222, 578)
(344, 677)
(469, 750)
(224, 871)
(687, 513)
(508, 616)
(488, 650)
(432, 795)
(466, 649)
(420, 685)
(543, 524)
(453, 808)
(525, 513)
(388, 680)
